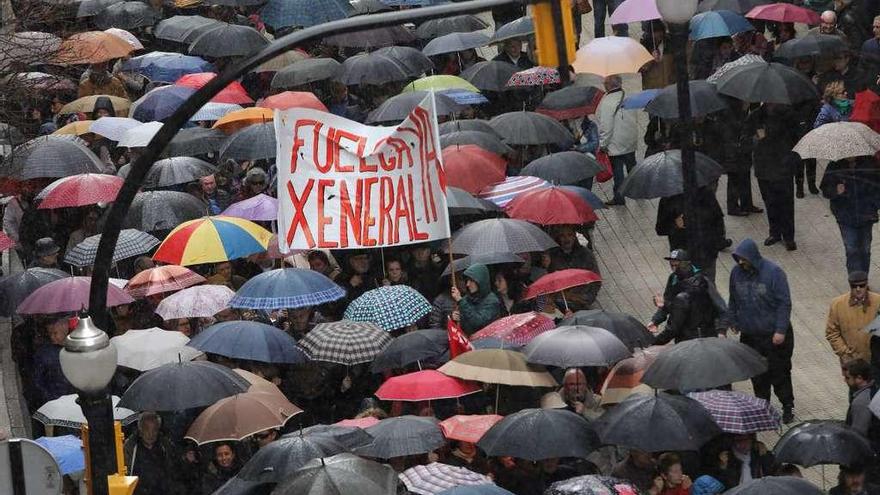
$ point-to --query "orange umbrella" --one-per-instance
(240, 119)
(468, 428)
(293, 99)
(240, 416)
(92, 47)
(161, 279)
(625, 377)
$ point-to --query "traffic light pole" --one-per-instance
(98, 411)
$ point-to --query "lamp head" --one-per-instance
(677, 11)
(88, 359)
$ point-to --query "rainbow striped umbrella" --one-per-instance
(212, 240)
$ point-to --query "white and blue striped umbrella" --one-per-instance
(213, 111)
(391, 307)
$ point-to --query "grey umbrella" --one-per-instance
(467, 125)
(571, 102)
(341, 474)
(704, 363)
(401, 436)
(488, 142)
(131, 243)
(704, 100)
(364, 7)
(538, 434)
(127, 15)
(177, 170)
(519, 28)
(306, 71)
(195, 141)
(738, 6)
(767, 83)
(351, 437)
(15, 288)
(776, 485)
(454, 42)
(178, 386)
(461, 202)
(491, 75)
(163, 210)
(89, 8)
(660, 175)
(530, 128)
(373, 68)
(811, 45)
(462, 264)
(234, 3)
(51, 156)
(447, 25)
(822, 442)
(398, 107)
(420, 345)
(629, 330)
(576, 346)
(228, 40)
(413, 60)
(180, 28)
(565, 167)
(277, 461)
(500, 235)
(254, 142)
(657, 423)
(10, 136)
(371, 38)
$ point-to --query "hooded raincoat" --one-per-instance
(480, 309)
(760, 301)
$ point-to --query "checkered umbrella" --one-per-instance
(435, 477)
(345, 342)
(287, 288)
(131, 243)
(739, 413)
(391, 307)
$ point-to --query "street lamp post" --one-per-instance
(677, 15)
(88, 361)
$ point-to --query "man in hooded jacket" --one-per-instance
(760, 308)
(479, 306)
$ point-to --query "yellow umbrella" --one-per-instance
(440, 83)
(77, 128)
(611, 55)
(86, 104)
(240, 119)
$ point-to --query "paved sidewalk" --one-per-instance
(13, 412)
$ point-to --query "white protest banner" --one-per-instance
(345, 185)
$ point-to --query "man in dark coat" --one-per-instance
(671, 222)
(513, 53)
(571, 254)
(853, 186)
(149, 456)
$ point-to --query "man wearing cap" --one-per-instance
(691, 304)
(849, 314)
(45, 253)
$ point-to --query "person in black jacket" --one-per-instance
(512, 53)
(671, 222)
(853, 186)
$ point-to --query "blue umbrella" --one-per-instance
(391, 307)
(413, 3)
(640, 99)
(160, 103)
(475, 490)
(589, 196)
(286, 288)
(465, 97)
(166, 66)
(249, 340)
(304, 13)
(67, 451)
(718, 23)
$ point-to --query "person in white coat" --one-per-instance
(618, 134)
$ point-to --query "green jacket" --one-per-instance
(480, 309)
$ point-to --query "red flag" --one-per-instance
(458, 341)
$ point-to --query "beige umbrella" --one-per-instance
(838, 141)
(611, 55)
(282, 61)
(86, 104)
(498, 366)
(258, 383)
(91, 47)
(240, 416)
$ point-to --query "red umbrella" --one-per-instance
(425, 385)
(551, 206)
(80, 190)
(233, 93)
(784, 12)
(362, 423)
(560, 280)
(468, 428)
(166, 278)
(518, 329)
(293, 99)
(472, 168)
(866, 109)
(6, 242)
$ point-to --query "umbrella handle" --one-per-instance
(564, 300)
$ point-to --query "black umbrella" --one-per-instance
(704, 363)
(234, 3)
(421, 345)
(565, 167)
(462, 264)
(520, 28)
(537, 434)
(15, 288)
(454, 42)
(254, 142)
(776, 485)
(571, 102)
(277, 461)
(488, 142)
(413, 60)
(823, 442)
(704, 100)
(306, 71)
(501, 235)
(178, 386)
(373, 68)
(177, 170)
(461, 202)
(767, 83)
(364, 7)
(628, 329)
(351, 437)
(460, 125)
(127, 15)
(163, 210)
(341, 474)
(530, 128)
(447, 25)
(51, 157)
(181, 28)
(576, 346)
(491, 75)
(657, 423)
(660, 176)
(372, 38)
(738, 6)
(401, 436)
(398, 107)
(194, 141)
(228, 40)
(811, 45)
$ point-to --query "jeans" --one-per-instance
(599, 9)
(778, 374)
(620, 166)
(857, 244)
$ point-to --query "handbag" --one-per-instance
(606, 174)
(583, 6)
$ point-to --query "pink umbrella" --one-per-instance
(536, 76)
(80, 190)
(784, 12)
(362, 423)
(260, 208)
(68, 295)
(6, 242)
(517, 328)
(635, 11)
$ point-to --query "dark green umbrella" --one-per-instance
(660, 175)
(341, 474)
(538, 434)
